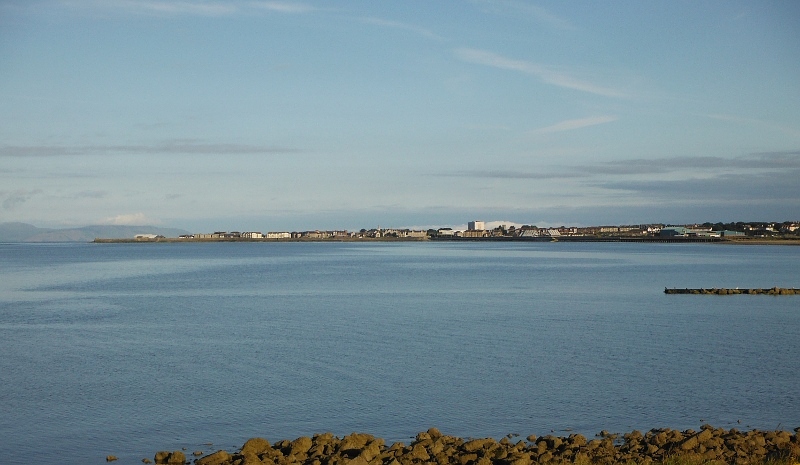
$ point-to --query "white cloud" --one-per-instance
(176, 146)
(131, 219)
(547, 75)
(792, 131)
(403, 26)
(187, 7)
(284, 7)
(157, 6)
(571, 124)
(513, 7)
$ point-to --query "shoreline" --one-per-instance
(708, 445)
(641, 240)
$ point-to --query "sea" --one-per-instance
(129, 349)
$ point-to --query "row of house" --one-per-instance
(316, 234)
(477, 229)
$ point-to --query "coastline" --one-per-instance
(708, 445)
(633, 239)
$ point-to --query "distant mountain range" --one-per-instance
(22, 232)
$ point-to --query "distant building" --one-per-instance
(674, 231)
(476, 225)
(474, 233)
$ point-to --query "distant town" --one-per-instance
(477, 230)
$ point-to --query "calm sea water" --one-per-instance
(127, 349)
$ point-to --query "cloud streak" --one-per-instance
(185, 147)
(792, 131)
(284, 7)
(754, 164)
(527, 9)
(571, 124)
(131, 219)
(402, 26)
(544, 73)
(19, 197)
(187, 8)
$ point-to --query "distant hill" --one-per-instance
(22, 232)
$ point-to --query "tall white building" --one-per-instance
(476, 225)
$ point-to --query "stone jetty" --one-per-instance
(725, 291)
(706, 446)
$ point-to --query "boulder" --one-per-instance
(418, 452)
(255, 446)
(301, 445)
(217, 458)
(353, 443)
(171, 458)
(476, 444)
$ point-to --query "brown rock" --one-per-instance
(476, 444)
(176, 458)
(371, 450)
(521, 459)
(418, 452)
(255, 446)
(217, 458)
(704, 435)
(111, 458)
(690, 444)
(172, 458)
(465, 459)
(300, 446)
(354, 443)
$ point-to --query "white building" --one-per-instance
(476, 225)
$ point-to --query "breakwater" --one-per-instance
(725, 291)
(707, 445)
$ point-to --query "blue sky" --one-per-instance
(262, 115)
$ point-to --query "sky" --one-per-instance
(254, 115)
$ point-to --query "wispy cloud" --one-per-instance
(544, 73)
(701, 167)
(130, 219)
(792, 131)
(284, 7)
(156, 7)
(18, 197)
(92, 194)
(780, 186)
(511, 174)
(187, 7)
(187, 147)
(421, 31)
(571, 124)
(513, 7)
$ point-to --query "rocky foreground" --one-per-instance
(432, 447)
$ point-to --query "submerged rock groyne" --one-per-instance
(707, 445)
(726, 291)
